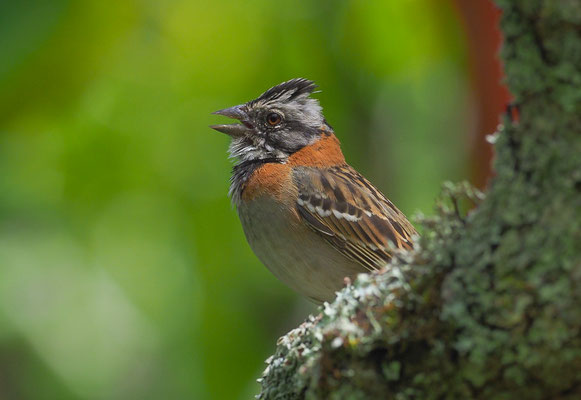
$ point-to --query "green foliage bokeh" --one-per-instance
(124, 273)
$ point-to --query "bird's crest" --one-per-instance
(294, 89)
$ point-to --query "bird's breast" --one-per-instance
(269, 180)
(295, 254)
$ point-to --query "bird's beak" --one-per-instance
(234, 130)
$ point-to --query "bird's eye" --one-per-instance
(273, 118)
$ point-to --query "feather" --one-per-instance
(351, 214)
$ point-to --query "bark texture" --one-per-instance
(488, 306)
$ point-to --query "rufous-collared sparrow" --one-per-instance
(309, 217)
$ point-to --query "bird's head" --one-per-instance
(278, 123)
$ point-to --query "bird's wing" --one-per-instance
(351, 214)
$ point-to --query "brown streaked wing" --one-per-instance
(351, 214)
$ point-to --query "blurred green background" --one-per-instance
(124, 272)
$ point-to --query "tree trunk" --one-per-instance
(488, 305)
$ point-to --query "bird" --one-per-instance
(310, 218)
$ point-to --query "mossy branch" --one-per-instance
(489, 304)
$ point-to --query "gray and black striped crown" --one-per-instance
(288, 91)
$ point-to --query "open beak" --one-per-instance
(234, 130)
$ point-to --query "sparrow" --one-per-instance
(311, 219)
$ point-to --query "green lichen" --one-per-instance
(488, 305)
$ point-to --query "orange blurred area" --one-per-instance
(481, 19)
